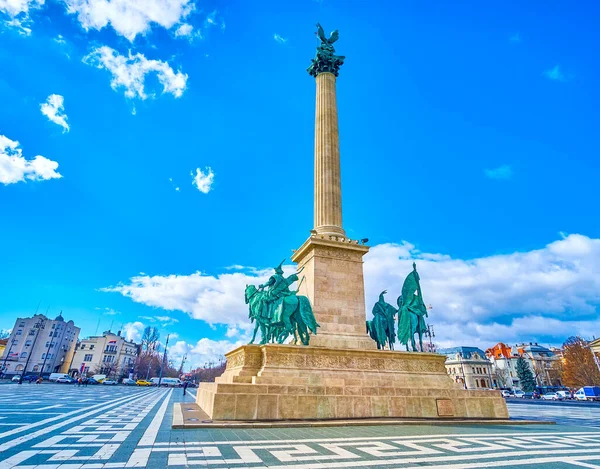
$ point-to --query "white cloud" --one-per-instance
(60, 39)
(544, 294)
(203, 352)
(163, 320)
(17, 12)
(15, 168)
(212, 20)
(503, 172)
(133, 331)
(203, 180)
(279, 39)
(554, 74)
(129, 72)
(130, 18)
(54, 109)
(185, 30)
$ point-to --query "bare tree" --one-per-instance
(580, 368)
(150, 340)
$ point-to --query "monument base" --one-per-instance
(282, 382)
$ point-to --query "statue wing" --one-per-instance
(334, 36)
(321, 33)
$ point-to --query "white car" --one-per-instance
(551, 396)
(111, 382)
(505, 393)
(519, 394)
(16, 378)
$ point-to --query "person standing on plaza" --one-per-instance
(185, 385)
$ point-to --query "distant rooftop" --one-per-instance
(468, 353)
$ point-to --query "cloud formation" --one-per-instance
(203, 180)
(130, 18)
(129, 72)
(202, 352)
(15, 168)
(17, 12)
(54, 110)
(554, 74)
(544, 294)
(503, 172)
(279, 39)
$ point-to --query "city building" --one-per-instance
(3, 343)
(595, 346)
(541, 361)
(109, 354)
(40, 345)
(470, 367)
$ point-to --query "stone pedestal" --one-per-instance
(333, 282)
(281, 382)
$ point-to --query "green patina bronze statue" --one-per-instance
(382, 328)
(412, 311)
(325, 60)
(278, 311)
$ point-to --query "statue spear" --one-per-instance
(301, 280)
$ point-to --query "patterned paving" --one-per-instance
(53, 426)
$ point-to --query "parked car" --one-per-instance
(143, 382)
(128, 382)
(551, 396)
(91, 381)
(519, 394)
(505, 393)
(588, 393)
(99, 378)
(110, 382)
(65, 379)
(55, 376)
(16, 378)
(564, 394)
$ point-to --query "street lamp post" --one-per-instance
(38, 325)
(430, 334)
(163, 361)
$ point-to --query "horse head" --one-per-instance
(249, 293)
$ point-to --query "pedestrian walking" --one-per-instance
(85, 382)
(185, 385)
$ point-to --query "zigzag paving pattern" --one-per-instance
(61, 426)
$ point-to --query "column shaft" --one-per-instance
(328, 186)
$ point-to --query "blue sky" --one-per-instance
(469, 140)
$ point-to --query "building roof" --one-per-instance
(468, 353)
(536, 349)
(60, 317)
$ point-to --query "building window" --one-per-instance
(21, 324)
(19, 332)
(43, 356)
(19, 368)
(82, 346)
(107, 358)
(32, 332)
(88, 357)
(23, 355)
(92, 347)
(28, 343)
(53, 326)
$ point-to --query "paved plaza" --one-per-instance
(62, 426)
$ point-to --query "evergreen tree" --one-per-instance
(525, 375)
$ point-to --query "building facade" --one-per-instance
(470, 367)
(109, 354)
(40, 345)
(541, 361)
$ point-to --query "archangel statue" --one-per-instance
(325, 60)
(278, 311)
(382, 328)
(411, 311)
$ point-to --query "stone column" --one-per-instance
(328, 184)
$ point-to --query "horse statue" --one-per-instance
(411, 312)
(382, 327)
(292, 315)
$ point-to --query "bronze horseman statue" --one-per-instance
(278, 311)
(411, 316)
